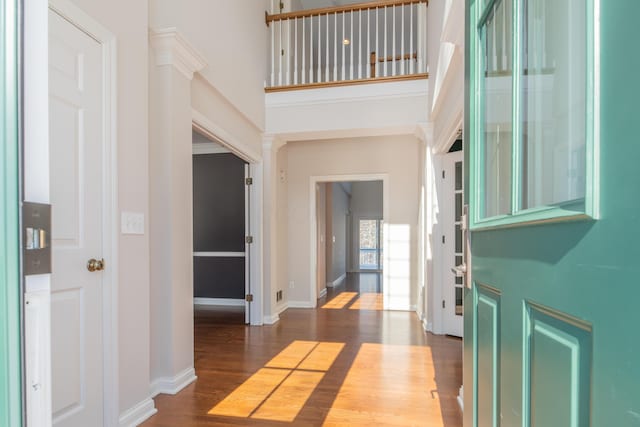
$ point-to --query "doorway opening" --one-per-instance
(220, 232)
(349, 244)
(452, 202)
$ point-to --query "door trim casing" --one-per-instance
(217, 133)
(107, 40)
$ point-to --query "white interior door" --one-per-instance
(451, 208)
(76, 143)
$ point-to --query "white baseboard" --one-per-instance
(137, 414)
(270, 320)
(413, 308)
(173, 385)
(337, 282)
(218, 301)
(323, 293)
(301, 304)
(428, 326)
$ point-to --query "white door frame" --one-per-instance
(313, 180)
(107, 41)
(217, 133)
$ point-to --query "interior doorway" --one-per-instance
(221, 207)
(349, 237)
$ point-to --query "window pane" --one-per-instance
(553, 101)
(497, 120)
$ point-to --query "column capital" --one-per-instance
(424, 132)
(272, 143)
(172, 48)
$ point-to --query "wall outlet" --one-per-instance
(132, 223)
(292, 284)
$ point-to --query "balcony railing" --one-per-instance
(359, 43)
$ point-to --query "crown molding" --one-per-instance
(172, 48)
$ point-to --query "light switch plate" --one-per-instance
(132, 223)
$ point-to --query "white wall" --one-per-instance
(339, 211)
(281, 226)
(396, 156)
(232, 36)
(366, 203)
(128, 21)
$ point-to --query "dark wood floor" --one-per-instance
(347, 364)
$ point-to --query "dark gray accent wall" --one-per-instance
(218, 225)
(218, 203)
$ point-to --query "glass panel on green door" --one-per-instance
(554, 76)
(497, 94)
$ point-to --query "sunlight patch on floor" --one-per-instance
(369, 301)
(340, 301)
(388, 385)
(279, 391)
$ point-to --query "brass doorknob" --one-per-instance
(95, 265)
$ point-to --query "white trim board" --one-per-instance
(107, 40)
(229, 302)
(138, 413)
(323, 292)
(220, 254)
(301, 304)
(166, 385)
(336, 282)
(208, 148)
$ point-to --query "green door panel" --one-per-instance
(10, 362)
(487, 350)
(567, 291)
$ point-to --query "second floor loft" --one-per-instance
(357, 43)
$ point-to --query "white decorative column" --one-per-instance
(270, 146)
(173, 63)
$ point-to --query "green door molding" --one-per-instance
(10, 323)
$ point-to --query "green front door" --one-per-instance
(552, 308)
(10, 376)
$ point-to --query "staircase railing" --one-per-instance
(363, 42)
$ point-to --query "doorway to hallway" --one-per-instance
(220, 230)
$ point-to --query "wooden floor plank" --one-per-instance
(333, 367)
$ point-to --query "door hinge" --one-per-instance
(443, 239)
(249, 298)
(248, 239)
(443, 173)
(248, 181)
(443, 304)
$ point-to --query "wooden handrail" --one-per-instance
(407, 56)
(339, 9)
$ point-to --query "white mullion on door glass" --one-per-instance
(516, 73)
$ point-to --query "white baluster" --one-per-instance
(494, 24)
(288, 52)
(280, 55)
(421, 10)
(311, 49)
(393, 51)
(411, 60)
(335, 47)
(377, 55)
(360, 44)
(319, 48)
(385, 42)
(327, 77)
(368, 43)
(303, 69)
(402, 59)
(343, 47)
(295, 51)
(351, 48)
(273, 54)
